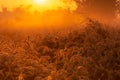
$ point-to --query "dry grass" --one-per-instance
(89, 53)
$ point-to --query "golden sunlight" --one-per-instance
(40, 1)
(39, 5)
(43, 5)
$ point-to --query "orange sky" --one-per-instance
(29, 13)
(15, 13)
(48, 4)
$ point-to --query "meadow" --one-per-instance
(82, 52)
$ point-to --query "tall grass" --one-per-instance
(91, 52)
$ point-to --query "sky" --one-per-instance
(47, 5)
(31, 13)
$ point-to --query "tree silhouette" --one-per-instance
(99, 8)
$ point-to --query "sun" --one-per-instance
(40, 1)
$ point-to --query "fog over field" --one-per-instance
(60, 40)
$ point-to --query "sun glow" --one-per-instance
(40, 1)
(44, 5)
(39, 5)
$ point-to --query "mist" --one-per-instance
(20, 15)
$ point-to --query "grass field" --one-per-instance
(88, 52)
